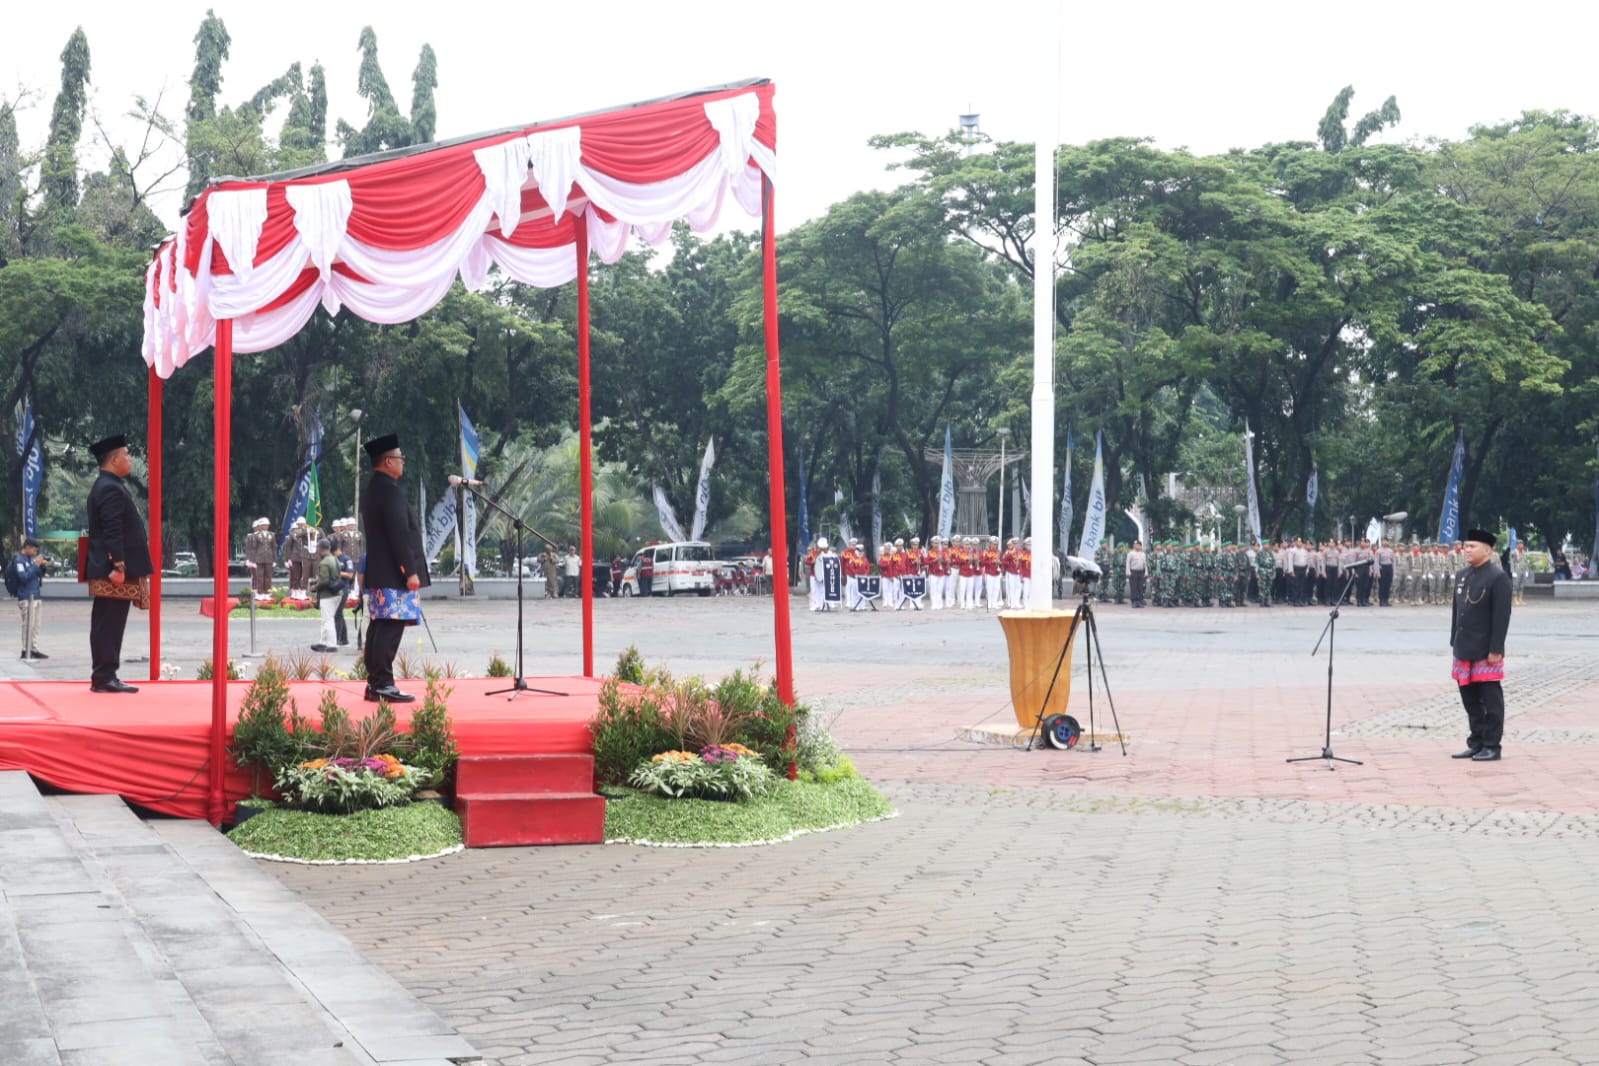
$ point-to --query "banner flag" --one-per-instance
(1094, 517)
(313, 500)
(702, 496)
(1254, 497)
(664, 512)
(946, 490)
(300, 498)
(441, 524)
(877, 509)
(466, 538)
(1027, 506)
(1066, 497)
(1449, 523)
(804, 511)
(1594, 557)
(1311, 487)
(32, 468)
(1374, 532)
(1513, 539)
(846, 534)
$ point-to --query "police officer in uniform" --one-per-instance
(261, 551)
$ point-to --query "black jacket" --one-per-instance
(1481, 615)
(116, 532)
(393, 536)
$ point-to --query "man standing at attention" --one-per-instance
(119, 553)
(1477, 627)
(396, 570)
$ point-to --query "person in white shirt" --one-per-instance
(1137, 573)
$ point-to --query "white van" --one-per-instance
(680, 566)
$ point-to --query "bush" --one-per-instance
(498, 667)
(731, 773)
(627, 729)
(262, 740)
(630, 666)
(205, 670)
(345, 785)
(432, 743)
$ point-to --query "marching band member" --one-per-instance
(1010, 567)
(970, 573)
(990, 569)
(1026, 561)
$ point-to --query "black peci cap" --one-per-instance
(102, 448)
(1481, 536)
(377, 447)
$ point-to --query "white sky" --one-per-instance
(1209, 76)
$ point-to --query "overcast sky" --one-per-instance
(1205, 76)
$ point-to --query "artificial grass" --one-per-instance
(791, 808)
(391, 834)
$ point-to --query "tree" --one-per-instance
(59, 176)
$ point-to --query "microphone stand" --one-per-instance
(1330, 634)
(520, 685)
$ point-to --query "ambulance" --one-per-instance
(680, 566)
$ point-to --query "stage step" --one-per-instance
(123, 941)
(519, 800)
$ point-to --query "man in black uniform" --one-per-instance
(395, 568)
(119, 553)
(1477, 628)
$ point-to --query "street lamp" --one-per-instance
(1004, 434)
(356, 414)
(1238, 509)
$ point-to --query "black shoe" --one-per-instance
(114, 685)
(389, 694)
(323, 647)
(38, 655)
(1469, 753)
(1486, 755)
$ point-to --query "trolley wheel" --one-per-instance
(1062, 732)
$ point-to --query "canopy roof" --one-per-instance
(386, 235)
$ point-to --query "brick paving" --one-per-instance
(1197, 901)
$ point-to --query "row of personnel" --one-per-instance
(299, 554)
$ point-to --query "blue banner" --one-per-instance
(1249, 470)
(946, 490)
(466, 545)
(877, 508)
(804, 510)
(32, 469)
(1449, 524)
(300, 498)
(1066, 497)
(1311, 487)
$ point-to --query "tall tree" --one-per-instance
(211, 44)
(59, 175)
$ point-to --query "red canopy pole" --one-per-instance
(221, 468)
(152, 439)
(585, 460)
(774, 450)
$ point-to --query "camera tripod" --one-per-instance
(1062, 730)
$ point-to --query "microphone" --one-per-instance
(457, 479)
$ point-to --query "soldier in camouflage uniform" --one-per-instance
(1265, 571)
(1102, 560)
(1225, 574)
(1118, 574)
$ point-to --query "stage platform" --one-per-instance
(150, 747)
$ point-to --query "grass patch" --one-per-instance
(791, 808)
(389, 834)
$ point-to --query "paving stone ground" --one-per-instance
(1199, 900)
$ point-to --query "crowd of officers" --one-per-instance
(299, 554)
(962, 572)
(1295, 572)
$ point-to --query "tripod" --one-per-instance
(520, 685)
(1330, 634)
(1084, 619)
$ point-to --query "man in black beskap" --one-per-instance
(396, 569)
(1477, 627)
(119, 552)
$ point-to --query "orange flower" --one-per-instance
(674, 756)
(314, 764)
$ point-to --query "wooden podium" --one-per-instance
(1035, 639)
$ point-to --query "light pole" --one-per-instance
(356, 414)
(1004, 434)
(1238, 509)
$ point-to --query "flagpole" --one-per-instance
(1041, 592)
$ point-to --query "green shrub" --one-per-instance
(630, 666)
(715, 773)
(498, 667)
(627, 729)
(432, 744)
(343, 786)
(262, 741)
(204, 672)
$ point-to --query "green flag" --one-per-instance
(313, 502)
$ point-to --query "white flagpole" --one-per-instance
(1041, 590)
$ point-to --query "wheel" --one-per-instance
(1062, 732)
(627, 590)
(705, 592)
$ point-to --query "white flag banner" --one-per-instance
(1374, 532)
(877, 510)
(1094, 516)
(663, 509)
(946, 490)
(845, 533)
(1027, 507)
(1066, 497)
(441, 523)
(1249, 469)
(702, 497)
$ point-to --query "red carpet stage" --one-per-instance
(150, 747)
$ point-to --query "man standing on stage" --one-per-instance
(1477, 628)
(119, 553)
(396, 569)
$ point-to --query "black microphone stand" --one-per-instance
(520, 685)
(1329, 633)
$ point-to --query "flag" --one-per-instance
(1595, 555)
(300, 498)
(663, 510)
(1249, 470)
(804, 511)
(466, 536)
(1374, 531)
(877, 507)
(1027, 507)
(1066, 497)
(702, 496)
(1449, 524)
(32, 468)
(846, 534)
(1310, 499)
(313, 500)
(1513, 538)
(1094, 517)
(946, 490)
(441, 523)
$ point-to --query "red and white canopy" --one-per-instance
(386, 236)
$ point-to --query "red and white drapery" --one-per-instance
(385, 237)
